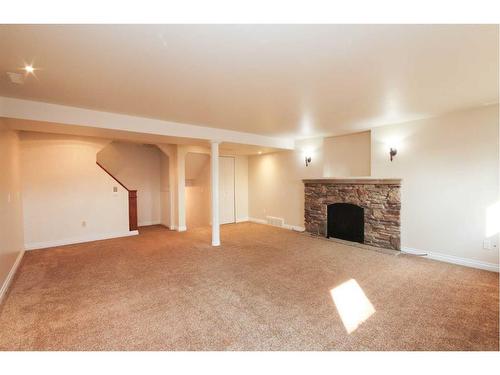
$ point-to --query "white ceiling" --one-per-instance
(287, 81)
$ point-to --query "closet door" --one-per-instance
(226, 190)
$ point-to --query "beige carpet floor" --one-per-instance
(265, 288)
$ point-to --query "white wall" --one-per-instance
(241, 187)
(347, 155)
(138, 167)
(197, 196)
(449, 167)
(165, 200)
(275, 187)
(63, 187)
(11, 218)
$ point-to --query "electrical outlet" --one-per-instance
(487, 245)
(84, 223)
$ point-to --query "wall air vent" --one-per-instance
(275, 221)
(16, 78)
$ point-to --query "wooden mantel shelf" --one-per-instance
(354, 180)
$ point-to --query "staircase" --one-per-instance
(132, 201)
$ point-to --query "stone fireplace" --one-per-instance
(338, 207)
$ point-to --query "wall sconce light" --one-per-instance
(308, 160)
(393, 153)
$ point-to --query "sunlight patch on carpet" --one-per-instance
(352, 304)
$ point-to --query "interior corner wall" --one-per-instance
(11, 216)
(67, 197)
(138, 167)
(450, 176)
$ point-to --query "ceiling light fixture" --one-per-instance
(29, 69)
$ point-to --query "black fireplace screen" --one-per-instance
(346, 221)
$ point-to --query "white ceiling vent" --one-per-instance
(16, 78)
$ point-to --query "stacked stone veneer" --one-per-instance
(381, 200)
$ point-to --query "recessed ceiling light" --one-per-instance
(29, 69)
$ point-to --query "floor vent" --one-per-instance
(275, 221)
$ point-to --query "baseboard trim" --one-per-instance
(242, 219)
(147, 223)
(467, 262)
(181, 228)
(295, 228)
(10, 275)
(258, 221)
(71, 241)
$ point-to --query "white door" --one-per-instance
(226, 190)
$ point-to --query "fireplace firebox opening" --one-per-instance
(346, 221)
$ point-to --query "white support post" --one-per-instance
(214, 163)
